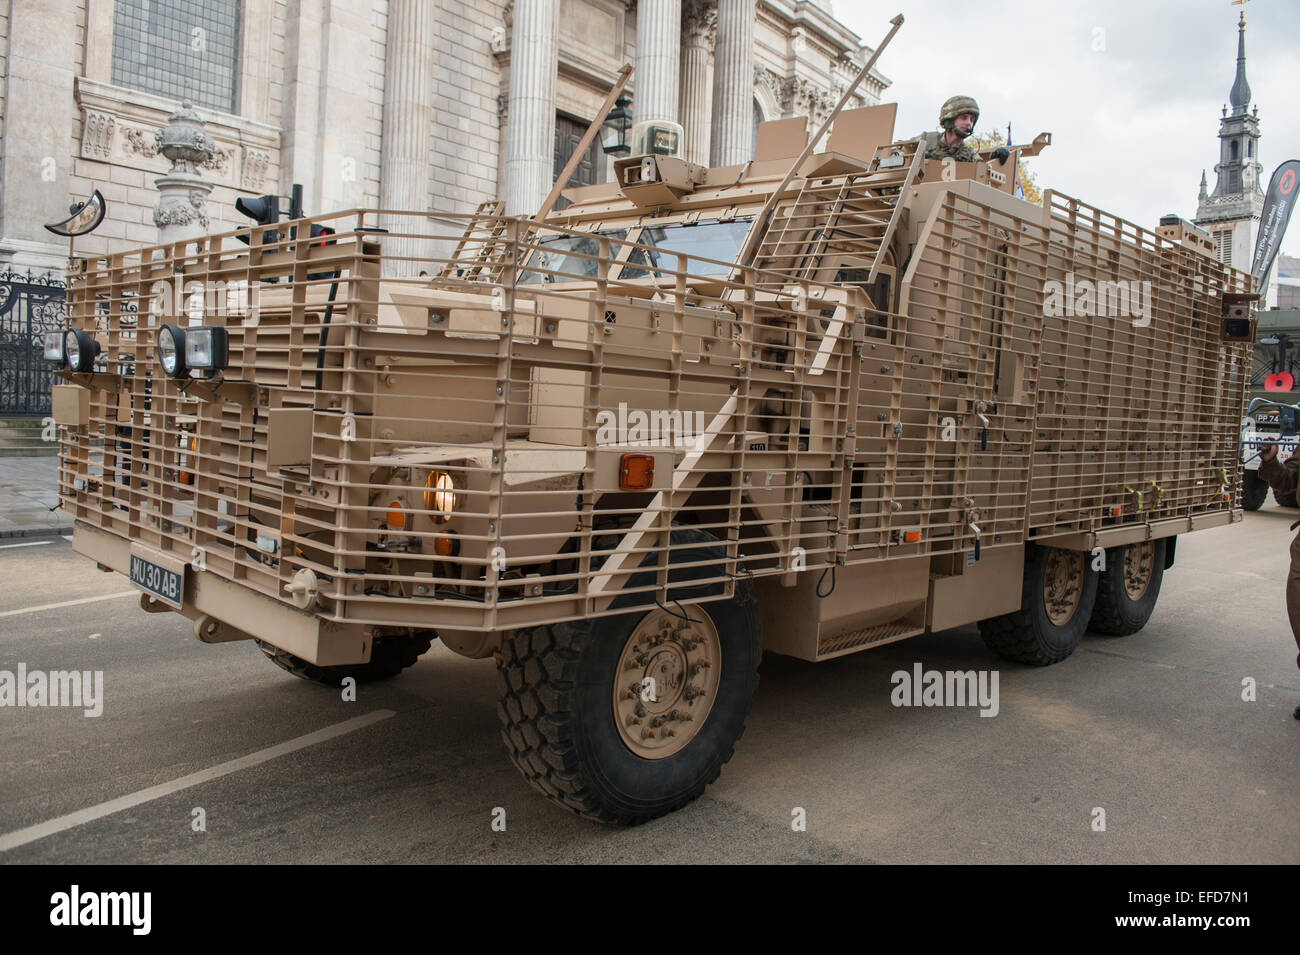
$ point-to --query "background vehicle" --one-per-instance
(809, 405)
(1273, 377)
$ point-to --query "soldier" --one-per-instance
(957, 119)
(1284, 477)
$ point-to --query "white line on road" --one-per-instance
(21, 837)
(71, 603)
(25, 544)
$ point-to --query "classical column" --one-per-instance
(408, 125)
(530, 134)
(699, 31)
(658, 59)
(733, 85)
(39, 107)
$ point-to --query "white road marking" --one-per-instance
(66, 537)
(25, 544)
(71, 603)
(21, 837)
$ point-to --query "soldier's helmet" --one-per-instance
(954, 106)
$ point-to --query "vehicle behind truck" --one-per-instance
(696, 415)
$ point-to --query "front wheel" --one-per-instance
(1059, 590)
(1254, 490)
(626, 718)
(1285, 500)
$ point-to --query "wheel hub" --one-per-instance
(1139, 561)
(1063, 584)
(666, 681)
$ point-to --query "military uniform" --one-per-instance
(960, 153)
(1284, 477)
(953, 107)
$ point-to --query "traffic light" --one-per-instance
(264, 210)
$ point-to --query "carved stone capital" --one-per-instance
(803, 97)
(700, 22)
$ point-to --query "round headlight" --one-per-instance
(80, 350)
(439, 495)
(171, 350)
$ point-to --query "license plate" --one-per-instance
(166, 584)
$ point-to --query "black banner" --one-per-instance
(1278, 203)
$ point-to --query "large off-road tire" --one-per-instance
(1286, 500)
(390, 655)
(1128, 588)
(1058, 593)
(1254, 490)
(574, 715)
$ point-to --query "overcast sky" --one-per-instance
(1133, 124)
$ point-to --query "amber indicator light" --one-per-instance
(636, 472)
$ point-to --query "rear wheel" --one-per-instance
(390, 654)
(1254, 489)
(1059, 590)
(626, 718)
(1128, 588)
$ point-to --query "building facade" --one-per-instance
(434, 105)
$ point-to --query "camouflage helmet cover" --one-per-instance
(954, 106)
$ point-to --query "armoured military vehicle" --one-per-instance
(809, 405)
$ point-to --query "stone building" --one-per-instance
(402, 104)
(1231, 212)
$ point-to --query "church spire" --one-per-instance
(1204, 185)
(1240, 95)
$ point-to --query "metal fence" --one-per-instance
(30, 306)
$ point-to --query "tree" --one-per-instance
(1028, 181)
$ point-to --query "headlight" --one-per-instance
(80, 350)
(206, 348)
(439, 495)
(54, 347)
(171, 350)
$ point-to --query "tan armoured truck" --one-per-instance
(808, 405)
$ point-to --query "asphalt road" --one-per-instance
(1151, 728)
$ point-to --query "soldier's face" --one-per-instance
(964, 123)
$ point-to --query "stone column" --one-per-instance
(408, 126)
(733, 85)
(35, 158)
(182, 211)
(699, 32)
(658, 59)
(530, 134)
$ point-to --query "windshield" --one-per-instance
(562, 255)
(708, 240)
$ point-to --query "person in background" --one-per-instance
(1284, 477)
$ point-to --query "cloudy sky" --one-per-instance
(1133, 123)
